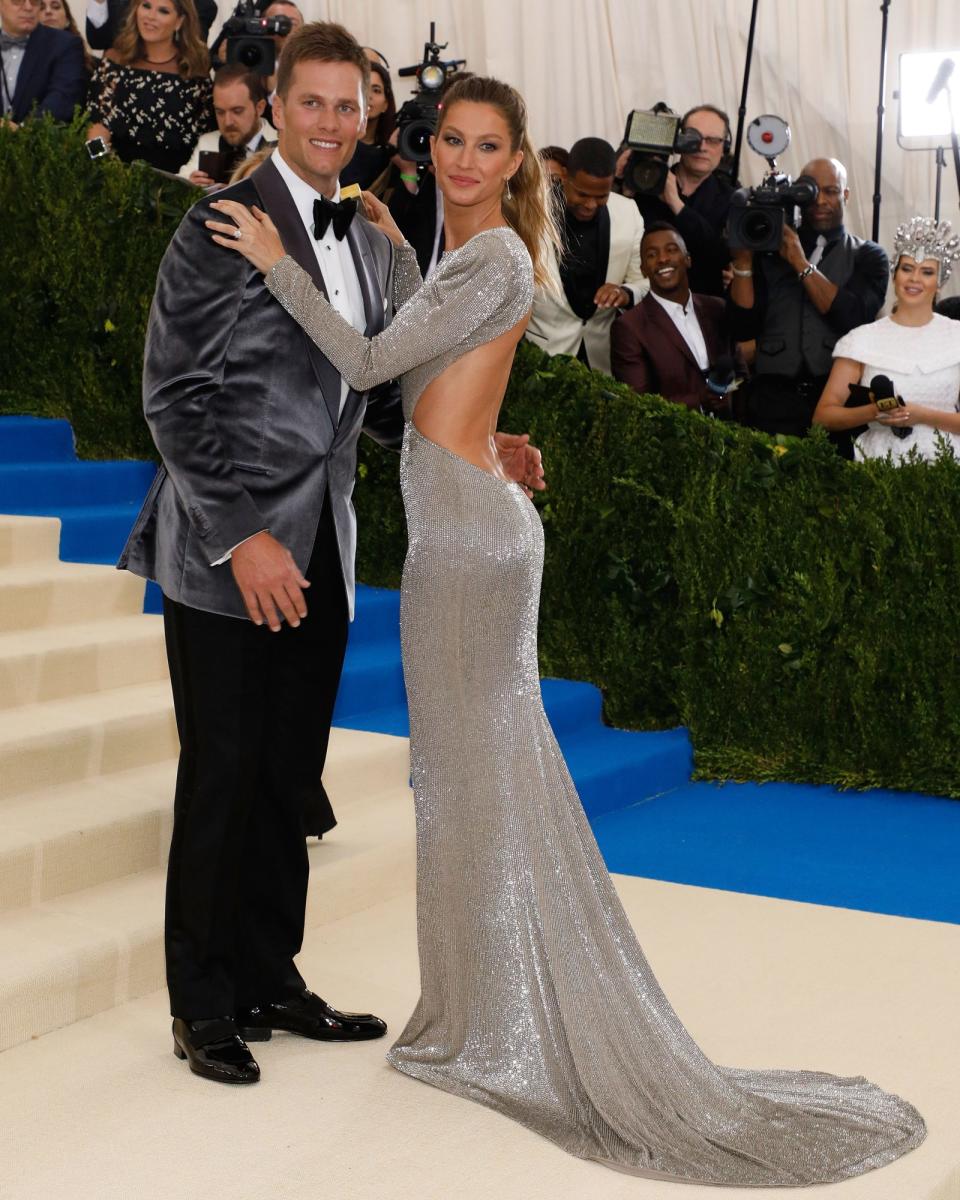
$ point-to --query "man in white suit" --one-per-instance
(600, 272)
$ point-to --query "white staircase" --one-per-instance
(88, 750)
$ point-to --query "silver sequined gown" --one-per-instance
(536, 999)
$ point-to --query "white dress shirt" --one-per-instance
(97, 12)
(334, 257)
(685, 319)
(336, 265)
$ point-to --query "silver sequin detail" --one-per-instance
(536, 999)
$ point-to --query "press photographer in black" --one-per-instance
(797, 303)
(696, 198)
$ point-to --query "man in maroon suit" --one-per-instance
(669, 343)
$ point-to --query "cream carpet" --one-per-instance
(98, 1108)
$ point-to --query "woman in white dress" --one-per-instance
(917, 349)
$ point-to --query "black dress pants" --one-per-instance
(253, 713)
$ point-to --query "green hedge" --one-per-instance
(797, 613)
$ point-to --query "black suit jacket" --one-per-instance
(52, 77)
(102, 38)
(649, 352)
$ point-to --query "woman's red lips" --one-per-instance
(462, 179)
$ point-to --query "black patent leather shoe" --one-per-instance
(215, 1050)
(310, 1017)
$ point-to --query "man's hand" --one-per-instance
(612, 295)
(521, 462)
(269, 579)
(202, 179)
(671, 193)
(790, 249)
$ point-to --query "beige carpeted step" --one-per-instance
(33, 595)
(66, 741)
(79, 953)
(76, 836)
(55, 662)
(28, 539)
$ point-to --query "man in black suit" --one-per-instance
(105, 17)
(696, 198)
(258, 435)
(668, 343)
(42, 68)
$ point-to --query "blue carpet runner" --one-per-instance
(886, 852)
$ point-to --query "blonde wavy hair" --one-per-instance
(194, 60)
(529, 208)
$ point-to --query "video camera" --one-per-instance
(417, 118)
(653, 135)
(758, 215)
(249, 38)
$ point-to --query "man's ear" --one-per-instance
(260, 107)
(277, 112)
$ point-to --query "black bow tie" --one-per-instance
(325, 211)
(8, 41)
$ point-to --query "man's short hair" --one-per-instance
(594, 157)
(321, 41)
(663, 227)
(235, 72)
(710, 108)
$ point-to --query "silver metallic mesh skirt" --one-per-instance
(536, 998)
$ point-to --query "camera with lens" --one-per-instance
(758, 215)
(417, 118)
(249, 38)
(653, 135)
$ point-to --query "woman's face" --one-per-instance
(472, 153)
(915, 283)
(53, 13)
(158, 20)
(376, 98)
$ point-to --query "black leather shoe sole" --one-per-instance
(250, 1033)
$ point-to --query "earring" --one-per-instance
(508, 194)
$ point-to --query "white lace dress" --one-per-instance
(924, 367)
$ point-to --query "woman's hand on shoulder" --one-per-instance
(252, 233)
(380, 216)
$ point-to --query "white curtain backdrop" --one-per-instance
(582, 64)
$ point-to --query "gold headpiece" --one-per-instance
(923, 237)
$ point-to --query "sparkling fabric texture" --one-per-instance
(536, 999)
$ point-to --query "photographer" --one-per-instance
(696, 198)
(239, 101)
(600, 272)
(798, 303)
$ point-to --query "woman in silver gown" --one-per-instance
(536, 998)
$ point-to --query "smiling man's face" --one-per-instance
(320, 121)
(665, 262)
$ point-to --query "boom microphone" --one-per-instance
(883, 389)
(944, 71)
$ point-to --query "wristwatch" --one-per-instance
(807, 270)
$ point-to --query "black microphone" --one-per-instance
(721, 375)
(883, 389)
(944, 71)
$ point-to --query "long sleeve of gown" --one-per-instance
(465, 292)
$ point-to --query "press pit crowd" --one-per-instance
(647, 289)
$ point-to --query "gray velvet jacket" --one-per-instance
(243, 407)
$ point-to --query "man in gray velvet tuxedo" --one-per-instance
(248, 528)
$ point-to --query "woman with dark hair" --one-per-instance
(151, 97)
(536, 998)
(57, 15)
(374, 150)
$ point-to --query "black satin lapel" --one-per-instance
(603, 246)
(357, 237)
(278, 202)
